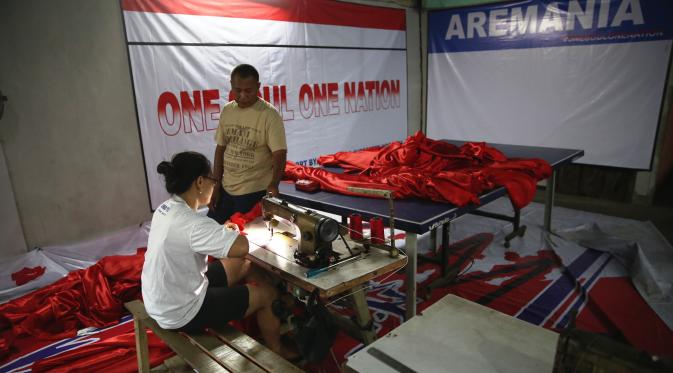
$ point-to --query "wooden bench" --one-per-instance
(200, 350)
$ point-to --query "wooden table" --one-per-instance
(456, 335)
(275, 255)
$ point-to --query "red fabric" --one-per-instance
(426, 168)
(634, 318)
(88, 297)
(114, 354)
(242, 219)
(27, 274)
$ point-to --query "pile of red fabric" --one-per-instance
(91, 297)
(430, 169)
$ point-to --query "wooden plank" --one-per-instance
(174, 364)
(142, 349)
(197, 359)
(269, 359)
(192, 355)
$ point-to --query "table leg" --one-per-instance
(549, 200)
(363, 317)
(444, 255)
(411, 248)
(448, 273)
(433, 240)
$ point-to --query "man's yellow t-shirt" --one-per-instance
(249, 136)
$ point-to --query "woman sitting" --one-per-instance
(180, 289)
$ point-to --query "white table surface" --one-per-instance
(456, 335)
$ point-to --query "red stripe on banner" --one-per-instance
(326, 12)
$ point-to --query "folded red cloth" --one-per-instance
(241, 219)
(27, 274)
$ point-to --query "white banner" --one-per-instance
(571, 74)
(337, 87)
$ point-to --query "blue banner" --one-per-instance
(545, 23)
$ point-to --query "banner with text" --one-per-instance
(336, 72)
(582, 74)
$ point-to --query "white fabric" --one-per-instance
(337, 88)
(571, 74)
(58, 261)
(650, 270)
(173, 280)
(83, 254)
(185, 28)
(312, 126)
(35, 258)
(603, 99)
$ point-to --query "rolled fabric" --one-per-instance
(355, 226)
(376, 229)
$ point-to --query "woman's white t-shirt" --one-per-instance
(173, 280)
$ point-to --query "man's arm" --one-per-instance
(279, 158)
(218, 171)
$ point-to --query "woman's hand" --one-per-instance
(231, 226)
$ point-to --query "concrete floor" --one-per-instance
(660, 216)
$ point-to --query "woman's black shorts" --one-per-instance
(222, 304)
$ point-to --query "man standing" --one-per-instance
(251, 148)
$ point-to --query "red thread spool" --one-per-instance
(355, 226)
(376, 229)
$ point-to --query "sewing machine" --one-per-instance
(313, 232)
(313, 253)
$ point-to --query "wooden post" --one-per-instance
(142, 350)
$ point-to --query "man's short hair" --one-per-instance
(245, 71)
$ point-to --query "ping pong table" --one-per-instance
(416, 216)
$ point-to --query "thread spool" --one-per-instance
(355, 226)
(376, 229)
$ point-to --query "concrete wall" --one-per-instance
(69, 130)
(12, 241)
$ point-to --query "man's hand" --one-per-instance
(272, 190)
(214, 198)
